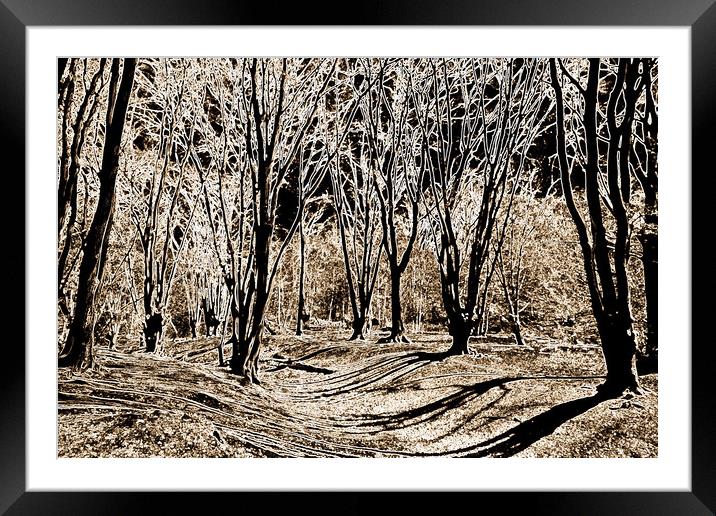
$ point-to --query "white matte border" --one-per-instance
(670, 471)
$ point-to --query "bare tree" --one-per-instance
(212, 302)
(515, 257)
(78, 349)
(645, 167)
(511, 269)
(79, 98)
(307, 225)
(110, 314)
(204, 287)
(355, 201)
(477, 119)
(353, 190)
(165, 205)
(192, 289)
(596, 136)
(266, 118)
(391, 140)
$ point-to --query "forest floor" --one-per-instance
(321, 395)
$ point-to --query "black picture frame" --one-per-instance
(700, 15)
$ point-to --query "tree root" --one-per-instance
(612, 390)
(455, 352)
(394, 339)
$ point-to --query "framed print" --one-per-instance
(414, 254)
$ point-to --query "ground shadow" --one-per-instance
(299, 366)
(390, 367)
(530, 431)
(433, 410)
(505, 444)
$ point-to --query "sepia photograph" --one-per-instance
(379, 257)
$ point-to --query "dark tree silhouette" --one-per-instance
(608, 185)
(265, 114)
(356, 203)
(78, 349)
(306, 224)
(165, 206)
(477, 118)
(73, 140)
(354, 194)
(646, 170)
(391, 144)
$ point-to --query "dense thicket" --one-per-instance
(232, 197)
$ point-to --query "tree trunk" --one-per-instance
(460, 331)
(649, 242)
(397, 328)
(239, 339)
(396, 310)
(153, 329)
(358, 326)
(153, 319)
(78, 350)
(419, 315)
(244, 339)
(239, 319)
(517, 331)
(649, 236)
(513, 302)
(619, 350)
(247, 364)
(220, 349)
(301, 280)
(112, 339)
(239, 357)
(245, 361)
(482, 322)
(300, 314)
(480, 327)
(279, 305)
(205, 309)
(192, 327)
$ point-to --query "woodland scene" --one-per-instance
(357, 257)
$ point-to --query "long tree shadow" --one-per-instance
(430, 411)
(390, 367)
(299, 366)
(530, 431)
(503, 445)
